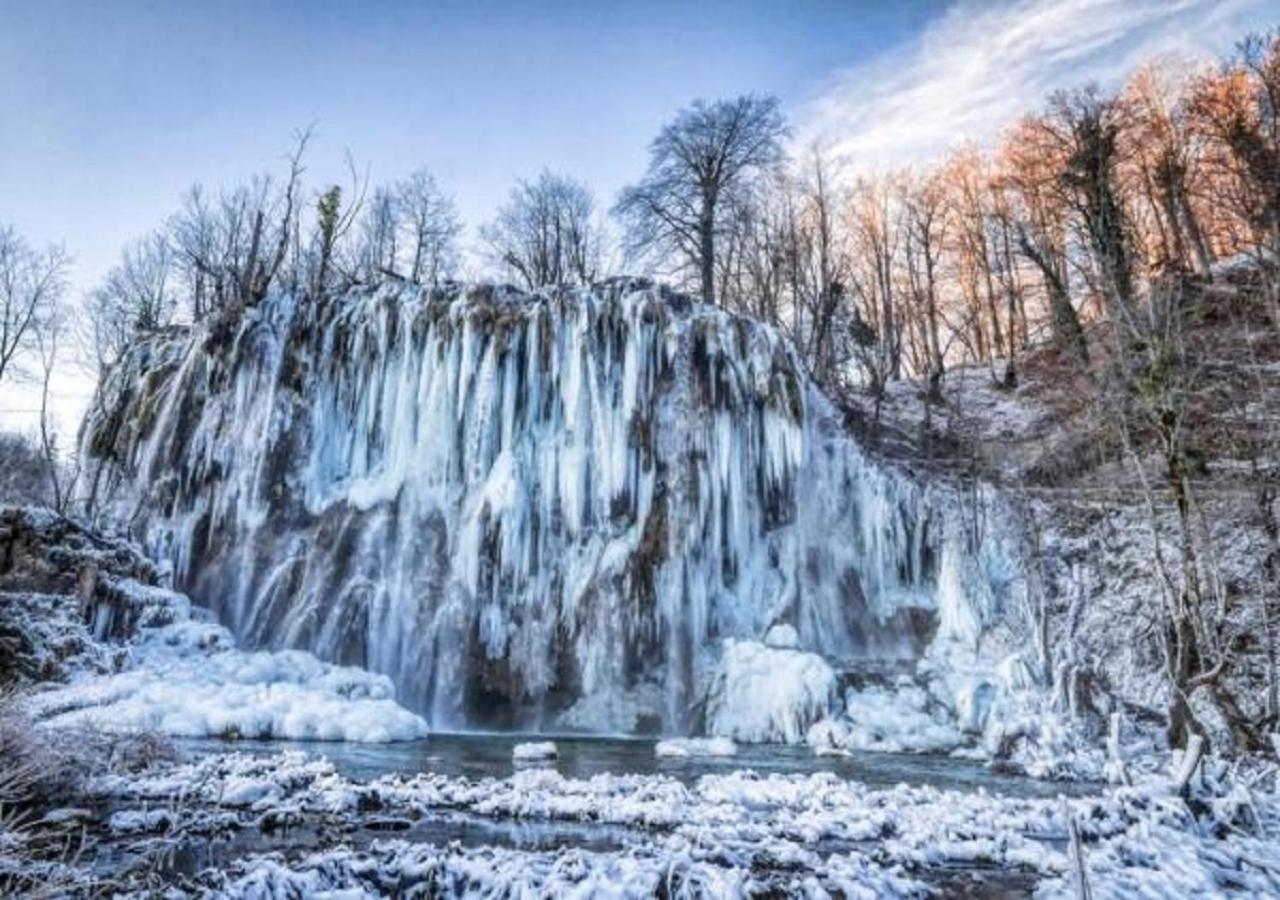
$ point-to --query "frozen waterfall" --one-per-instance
(532, 511)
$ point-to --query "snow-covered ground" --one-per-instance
(725, 835)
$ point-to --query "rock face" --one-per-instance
(64, 591)
(528, 510)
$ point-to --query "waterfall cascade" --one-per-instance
(539, 511)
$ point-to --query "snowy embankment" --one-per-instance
(187, 679)
(105, 645)
(725, 835)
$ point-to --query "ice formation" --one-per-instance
(186, 679)
(535, 510)
(768, 694)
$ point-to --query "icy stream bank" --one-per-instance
(477, 756)
(722, 835)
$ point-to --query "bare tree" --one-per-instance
(1161, 159)
(1089, 123)
(874, 225)
(49, 333)
(232, 248)
(378, 251)
(31, 283)
(1031, 159)
(430, 219)
(926, 221)
(1237, 112)
(138, 295)
(696, 163)
(546, 233)
(24, 471)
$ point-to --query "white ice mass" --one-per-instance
(760, 693)
(186, 678)
(533, 751)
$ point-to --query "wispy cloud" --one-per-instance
(982, 64)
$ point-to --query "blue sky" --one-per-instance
(109, 110)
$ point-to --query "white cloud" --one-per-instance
(982, 64)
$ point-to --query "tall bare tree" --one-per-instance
(49, 335)
(1030, 161)
(696, 163)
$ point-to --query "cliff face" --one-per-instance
(529, 510)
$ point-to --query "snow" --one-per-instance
(690, 747)
(723, 835)
(534, 751)
(187, 679)
(677, 868)
(901, 719)
(767, 694)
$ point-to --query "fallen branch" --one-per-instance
(1118, 769)
(1190, 761)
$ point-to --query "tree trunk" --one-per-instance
(707, 249)
(1195, 235)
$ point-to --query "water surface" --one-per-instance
(489, 756)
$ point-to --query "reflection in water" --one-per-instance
(489, 756)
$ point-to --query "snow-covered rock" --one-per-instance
(118, 651)
(899, 718)
(768, 694)
(692, 747)
(534, 751)
(830, 737)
